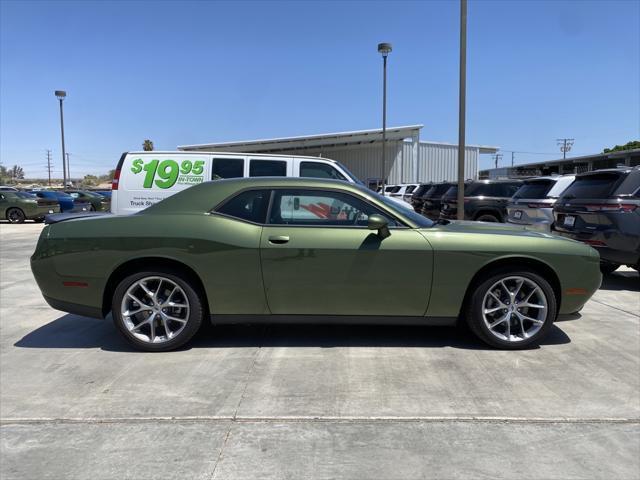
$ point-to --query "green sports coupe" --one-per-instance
(17, 207)
(307, 250)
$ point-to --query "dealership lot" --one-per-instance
(314, 401)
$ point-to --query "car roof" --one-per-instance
(207, 195)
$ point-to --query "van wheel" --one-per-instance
(157, 310)
(511, 308)
(15, 215)
(608, 268)
(487, 217)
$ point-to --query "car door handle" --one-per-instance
(279, 239)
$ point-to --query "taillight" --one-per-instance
(611, 207)
(539, 205)
(595, 243)
(116, 180)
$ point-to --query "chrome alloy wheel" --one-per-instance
(514, 308)
(155, 309)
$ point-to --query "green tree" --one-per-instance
(4, 175)
(627, 146)
(90, 180)
(147, 145)
(16, 172)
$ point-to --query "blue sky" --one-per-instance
(197, 72)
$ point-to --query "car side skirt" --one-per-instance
(333, 319)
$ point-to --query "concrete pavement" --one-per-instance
(314, 401)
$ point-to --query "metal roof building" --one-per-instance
(581, 164)
(409, 160)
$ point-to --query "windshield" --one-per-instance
(535, 189)
(592, 186)
(404, 211)
(25, 195)
(439, 190)
(347, 171)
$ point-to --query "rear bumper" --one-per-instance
(74, 308)
(607, 254)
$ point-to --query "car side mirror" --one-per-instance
(379, 223)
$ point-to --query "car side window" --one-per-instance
(319, 170)
(267, 168)
(227, 168)
(250, 205)
(322, 208)
(75, 195)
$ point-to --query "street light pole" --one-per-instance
(462, 106)
(384, 49)
(61, 94)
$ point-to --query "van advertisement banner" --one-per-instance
(167, 173)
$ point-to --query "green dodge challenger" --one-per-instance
(307, 250)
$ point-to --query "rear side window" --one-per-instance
(319, 170)
(537, 189)
(250, 206)
(410, 189)
(227, 168)
(592, 186)
(267, 168)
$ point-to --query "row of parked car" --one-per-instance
(20, 205)
(600, 208)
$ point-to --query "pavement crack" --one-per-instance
(615, 308)
(235, 413)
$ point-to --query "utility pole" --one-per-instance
(68, 169)
(462, 103)
(385, 50)
(49, 165)
(565, 145)
(512, 157)
(496, 158)
(61, 95)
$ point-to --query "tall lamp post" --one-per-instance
(384, 49)
(61, 94)
(462, 106)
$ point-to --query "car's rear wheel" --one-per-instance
(511, 308)
(487, 217)
(157, 310)
(608, 268)
(15, 215)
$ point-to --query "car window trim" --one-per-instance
(214, 210)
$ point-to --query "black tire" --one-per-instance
(487, 217)
(92, 208)
(608, 268)
(194, 319)
(474, 308)
(15, 215)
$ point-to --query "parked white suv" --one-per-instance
(532, 204)
(144, 178)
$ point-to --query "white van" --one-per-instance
(144, 178)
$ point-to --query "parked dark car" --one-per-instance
(484, 200)
(602, 209)
(66, 202)
(416, 196)
(432, 199)
(17, 207)
(104, 193)
(96, 201)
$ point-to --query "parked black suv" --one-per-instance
(432, 199)
(418, 193)
(484, 200)
(602, 209)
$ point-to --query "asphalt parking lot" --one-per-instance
(314, 401)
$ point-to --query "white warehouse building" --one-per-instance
(409, 160)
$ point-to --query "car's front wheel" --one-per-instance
(511, 308)
(487, 217)
(157, 310)
(15, 215)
